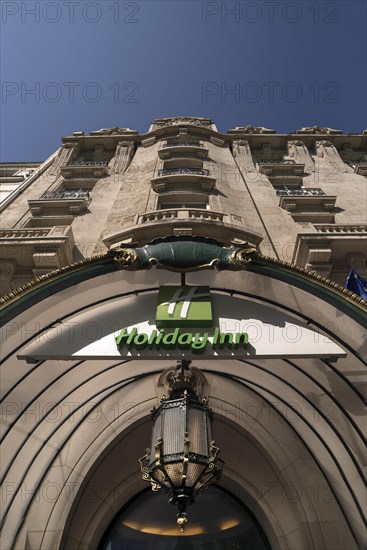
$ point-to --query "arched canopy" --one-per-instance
(290, 426)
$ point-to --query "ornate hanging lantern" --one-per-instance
(182, 459)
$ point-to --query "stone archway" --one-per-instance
(290, 429)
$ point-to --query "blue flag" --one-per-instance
(356, 284)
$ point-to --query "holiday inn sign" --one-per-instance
(187, 306)
(182, 307)
(177, 322)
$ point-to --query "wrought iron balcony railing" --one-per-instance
(183, 144)
(183, 171)
(283, 191)
(66, 194)
(87, 163)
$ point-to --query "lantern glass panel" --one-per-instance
(174, 472)
(174, 421)
(160, 477)
(194, 472)
(197, 431)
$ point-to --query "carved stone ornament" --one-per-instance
(113, 131)
(320, 146)
(69, 145)
(324, 143)
(124, 144)
(207, 185)
(240, 143)
(327, 151)
(295, 143)
(249, 129)
(159, 187)
(161, 122)
(127, 258)
(184, 254)
(192, 377)
(298, 151)
(318, 130)
(67, 152)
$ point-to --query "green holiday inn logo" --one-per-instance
(177, 307)
(184, 306)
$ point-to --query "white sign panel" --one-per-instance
(241, 328)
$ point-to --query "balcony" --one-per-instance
(64, 201)
(182, 175)
(282, 171)
(169, 150)
(66, 194)
(283, 191)
(359, 166)
(22, 234)
(342, 229)
(307, 204)
(36, 249)
(332, 247)
(85, 169)
(183, 221)
(181, 213)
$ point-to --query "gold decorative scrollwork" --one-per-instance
(127, 258)
(241, 257)
(145, 472)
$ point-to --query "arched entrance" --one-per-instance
(220, 522)
(290, 425)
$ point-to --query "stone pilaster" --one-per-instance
(66, 153)
(242, 152)
(124, 154)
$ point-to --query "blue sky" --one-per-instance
(84, 65)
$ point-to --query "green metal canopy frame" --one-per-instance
(183, 254)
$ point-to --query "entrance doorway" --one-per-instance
(217, 521)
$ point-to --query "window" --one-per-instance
(181, 200)
(166, 206)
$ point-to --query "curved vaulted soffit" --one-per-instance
(288, 405)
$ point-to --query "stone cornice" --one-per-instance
(356, 141)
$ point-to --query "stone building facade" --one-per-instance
(112, 228)
(300, 197)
